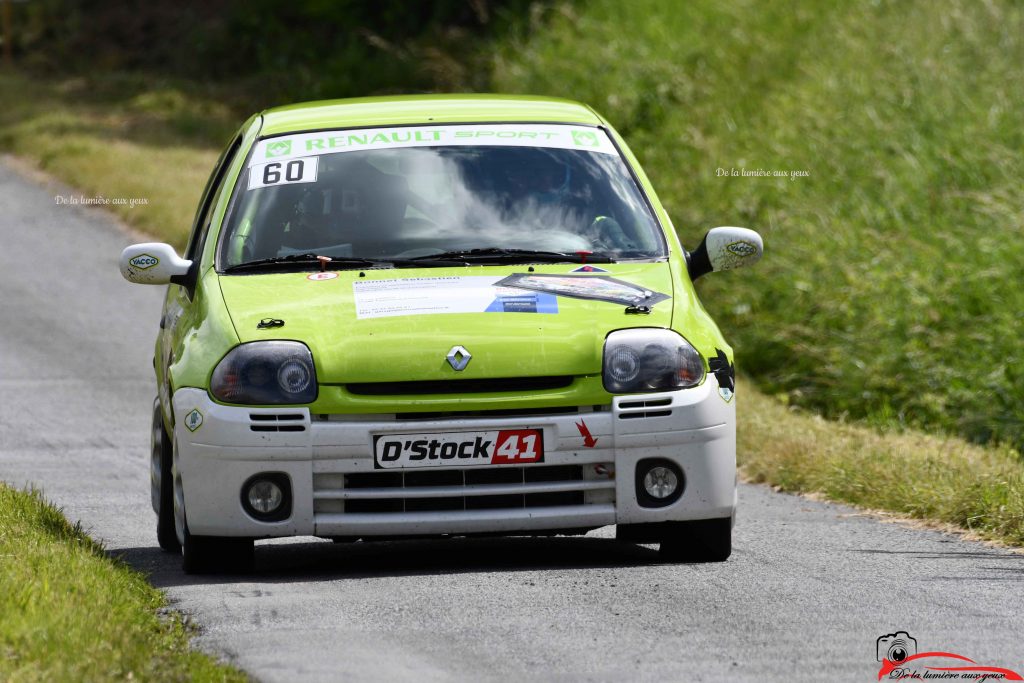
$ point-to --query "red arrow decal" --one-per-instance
(588, 440)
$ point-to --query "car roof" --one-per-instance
(423, 109)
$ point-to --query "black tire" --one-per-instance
(217, 554)
(162, 455)
(705, 540)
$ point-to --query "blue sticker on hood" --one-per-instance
(537, 302)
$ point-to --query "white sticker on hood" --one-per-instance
(431, 295)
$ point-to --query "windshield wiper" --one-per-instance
(501, 255)
(300, 260)
(338, 263)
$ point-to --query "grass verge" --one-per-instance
(71, 613)
(904, 471)
(943, 479)
(120, 138)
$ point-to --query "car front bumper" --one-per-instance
(337, 492)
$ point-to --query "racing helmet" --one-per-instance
(536, 174)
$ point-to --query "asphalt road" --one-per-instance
(809, 587)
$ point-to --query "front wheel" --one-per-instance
(161, 481)
(704, 540)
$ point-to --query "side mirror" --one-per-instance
(154, 263)
(725, 249)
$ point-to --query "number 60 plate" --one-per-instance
(459, 449)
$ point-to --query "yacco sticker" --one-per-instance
(316, 277)
(741, 248)
(435, 295)
(304, 145)
(144, 261)
(194, 420)
(588, 269)
(598, 287)
(285, 172)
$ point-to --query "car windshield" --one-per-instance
(405, 193)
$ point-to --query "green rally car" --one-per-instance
(437, 315)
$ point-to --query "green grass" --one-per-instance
(68, 612)
(888, 290)
(917, 475)
(120, 137)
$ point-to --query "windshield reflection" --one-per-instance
(403, 203)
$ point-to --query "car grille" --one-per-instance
(460, 386)
(478, 488)
(522, 413)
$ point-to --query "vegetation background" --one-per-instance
(888, 292)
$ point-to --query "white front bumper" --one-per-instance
(695, 428)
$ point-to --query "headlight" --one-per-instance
(646, 359)
(265, 372)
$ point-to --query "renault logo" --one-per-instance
(458, 358)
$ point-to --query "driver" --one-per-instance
(539, 183)
(538, 177)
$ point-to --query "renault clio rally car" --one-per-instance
(437, 316)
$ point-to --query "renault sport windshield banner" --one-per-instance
(506, 135)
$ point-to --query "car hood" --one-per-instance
(400, 324)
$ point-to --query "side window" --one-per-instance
(211, 195)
